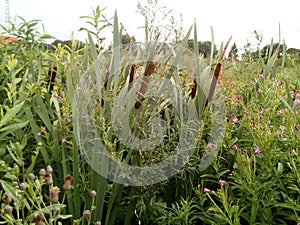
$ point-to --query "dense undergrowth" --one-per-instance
(255, 178)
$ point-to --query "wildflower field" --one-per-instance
(60, 104)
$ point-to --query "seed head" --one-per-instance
(54, 194)
(67, 185)
(6, 197)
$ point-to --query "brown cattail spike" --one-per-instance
(131, 76)
(52, 75)
(106, 80)
(148, 72)
(150, 69)
(217, 72)
(194, 88)
(214, 81)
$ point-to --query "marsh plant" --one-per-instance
(62, 104)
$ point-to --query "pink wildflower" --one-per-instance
(257, 150)
(235, 120)
(206, 190)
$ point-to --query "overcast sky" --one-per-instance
(231, 17)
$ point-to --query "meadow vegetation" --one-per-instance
(45, 178)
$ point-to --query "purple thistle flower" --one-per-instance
(239, 97)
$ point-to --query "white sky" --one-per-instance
(227, 17)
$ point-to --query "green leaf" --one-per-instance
(10, 114)
(60, 216)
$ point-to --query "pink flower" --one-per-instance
(206, 190)
(263, 110)
(38, 134)
(230, 115)
(209, 145)
(279, 132)
(43, 128)
(282, 127)
(261, 117)
(234, 147)
(245, 150)
(257, 150)
(280, 111)
(222, 182)
(259, 90)
(55, 95)
(239, 97)
(261, 75)
(296, 102)
(63, 140)
(235, 120)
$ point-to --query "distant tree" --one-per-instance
(126, 39)
(293, 51)
(265, 52)
(204, 47)
(233, 52)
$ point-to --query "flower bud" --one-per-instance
(87, 213)
(49, 169)
(22, 186)
(8, 209)
(48, 179)
(42, 172)
(93, 193)
(30, 176)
